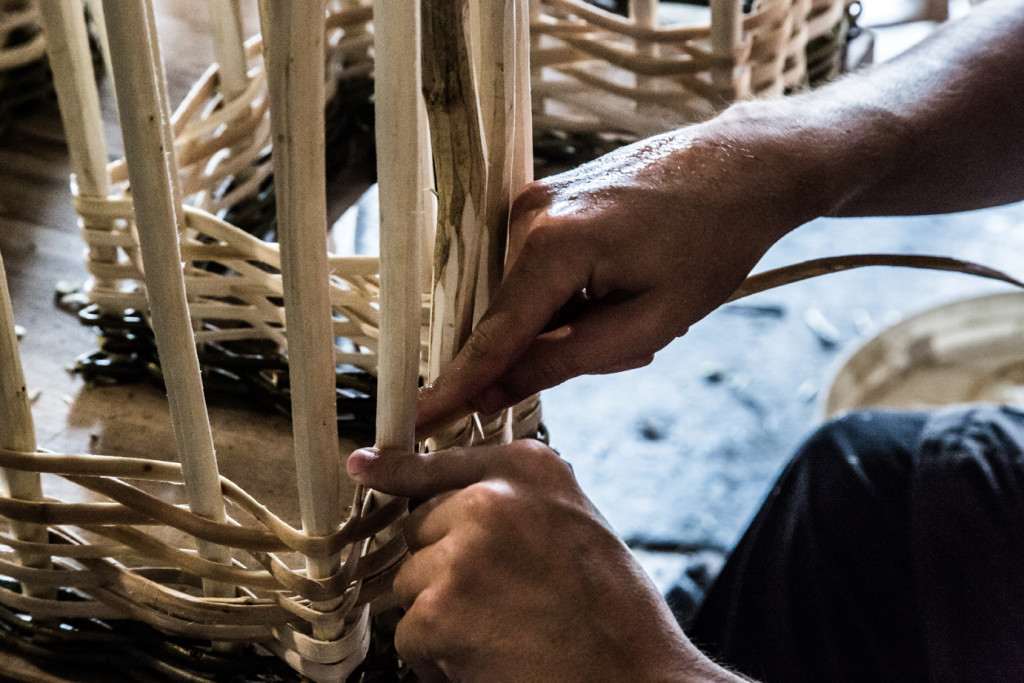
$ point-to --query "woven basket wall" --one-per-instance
(596, 71)
(126, 543)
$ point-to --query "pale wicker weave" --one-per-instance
(595, 71)
(225, 567)
(176, 545)
(236, 293)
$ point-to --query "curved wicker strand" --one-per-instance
(834, 264)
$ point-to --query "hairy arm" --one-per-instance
(938, 129)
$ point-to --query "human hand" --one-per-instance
(514, 575)
(612, 260)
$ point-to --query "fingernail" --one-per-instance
(360, 460)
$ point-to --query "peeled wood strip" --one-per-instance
(684, 90)
(139, 507)
(326, 652)
(613, 117)
(149, 594)
(623, 26)
(88, 464)
(378, 585)
(30, 51)
(349, 17)
(281, 535)
(43, 608)
(301, 609)
(129, 607)
(80, 514)
(48, 577)
(155, 549)
(66, 549)
(834, 264)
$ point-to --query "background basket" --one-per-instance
(23, 73)
(666, 64)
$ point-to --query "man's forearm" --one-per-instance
(938, 129)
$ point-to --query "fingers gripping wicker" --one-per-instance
(177, 545)
(595, 71)
(215, 562)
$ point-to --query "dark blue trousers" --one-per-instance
(890, 549)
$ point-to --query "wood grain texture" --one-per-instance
(460, 171)
(402, 150)
(294, 49)
(145, 121)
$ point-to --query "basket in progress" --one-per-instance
(174, 543)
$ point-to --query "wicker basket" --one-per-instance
(175, 544)
(597, 72)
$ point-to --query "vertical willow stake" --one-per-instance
(726, 33)
(17, 433)
(294, 48)
(144, 117)
(67, 48)
(401, 134)
(457, 147)
(526, 415)
(536, 71)
(645, 14)
(229, 46)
